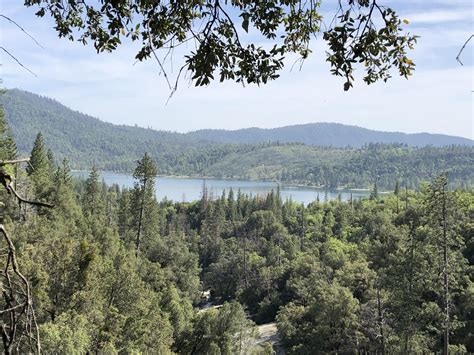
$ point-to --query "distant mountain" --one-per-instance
(327, 134)
(286, 154)
(83, 139)
(67, 130)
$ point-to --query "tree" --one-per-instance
(8, 148)
(441, 212)
(63, 196)
(374, 194)
(220, 331)
(221, 48)
(92, 203)
(143, 197)
(39, 169)
(327, 324)
(397, 194)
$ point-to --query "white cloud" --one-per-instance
(437, 99)
(439, 16)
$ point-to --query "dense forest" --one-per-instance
(327, 134)
(114, 270)
(87, 141)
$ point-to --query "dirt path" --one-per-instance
(268, 334)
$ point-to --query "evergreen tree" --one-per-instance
(443, 217)
(92, 201)
(8, 150)
(143, 199)
(374, 194)
(63, 196)
(51, 161)
(397, 194)
(39, 169)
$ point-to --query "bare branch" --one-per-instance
(22, 29)
(12, 302)
(6, 180)
(23, 200)
(458, 57)
(16, 161)
(16, 60)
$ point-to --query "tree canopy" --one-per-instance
(222, 38)
(114, 270)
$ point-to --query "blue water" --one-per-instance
(184, 189)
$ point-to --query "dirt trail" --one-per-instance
(268, 333)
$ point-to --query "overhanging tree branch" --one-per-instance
(18, 62)
(22, 29)
(18, 315)
(458, 57)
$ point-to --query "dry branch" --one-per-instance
(18, 319)
(458, 57)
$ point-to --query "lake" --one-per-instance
(188, 189)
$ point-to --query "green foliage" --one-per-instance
(361, 276)
(143, 203)
(8, 149)
(328, 323)
(39, 168)
(222, 331)
(219, 49)
(355, 39)
(87, 142)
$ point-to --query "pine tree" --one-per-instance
(39, 169)
(8, 148)
(143, 198)
(397, 194)
(441, 217)
(8, 151)
(374, 194)
(63, 195)
(92, 201)
(51, 161)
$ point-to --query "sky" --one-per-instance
(112, 87)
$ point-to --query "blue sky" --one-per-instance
(438, 98)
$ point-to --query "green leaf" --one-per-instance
(245, 23)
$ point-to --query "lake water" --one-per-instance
(184, 189)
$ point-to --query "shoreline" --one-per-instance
(278, 183)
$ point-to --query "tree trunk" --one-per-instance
(445, 276)
(380, 321)
(140, 219)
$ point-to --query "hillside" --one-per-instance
(29, 113)
(86, 141)
(356, 168)
(327, 134)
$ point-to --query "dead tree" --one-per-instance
(18, 326)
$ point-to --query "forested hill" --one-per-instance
(29, 113)
(83, 139)
(327, 134)
(87, 141)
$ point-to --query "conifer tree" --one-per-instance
(39, 171)
(143, 198)
(92, 202)
(374, 194)
(8, 148)
(63, 195)
(397, 194)
(441, 213)
(51, 161)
